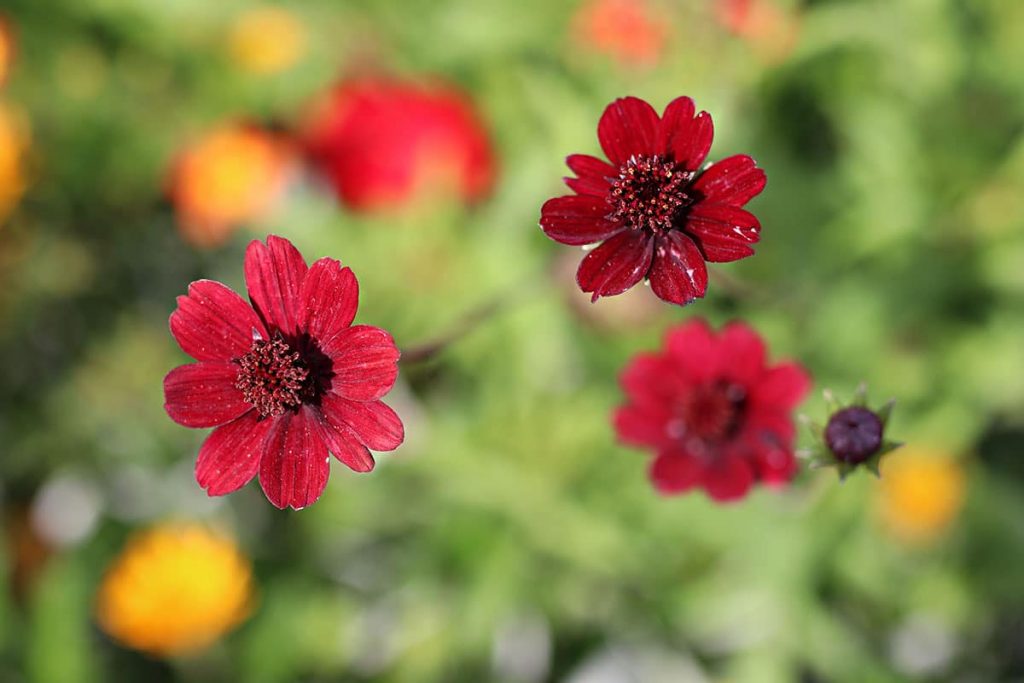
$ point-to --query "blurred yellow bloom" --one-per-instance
(175, 589)
(13, 144)
(230, 176)
(920, 493)
(267, 40)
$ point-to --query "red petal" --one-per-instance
(688, 139)
(723, 232)
(775, 465)
(295, 465)
(329, 298)
(593, 175)
(674, 472)
(782, 387)
(372, 422)
(230, 456)
(274, 274)
(728, 477)
(742, 352)
(346, 447)
(629, 126)
(203, 394)
(734, 180)
(578, 220)
(696, 350)
(616, 265)
(214, 323)
(650, 379)
(642, 425)
(365, 362)
(678, 274)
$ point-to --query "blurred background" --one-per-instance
(143, 143)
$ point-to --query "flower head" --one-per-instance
(629, 31)
(714, 413)
(656, 212)
(920, 493)
(285, 380)
(231, 175)
(853, 436)
(384, 144)
(175, 589)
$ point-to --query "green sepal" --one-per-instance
(860, 396)
(885, 412)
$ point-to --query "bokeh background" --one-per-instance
(143, 143)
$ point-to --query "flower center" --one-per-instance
(272, 377)
(711, 412)
(854, 434)
(649, 192)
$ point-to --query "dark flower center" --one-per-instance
(854, 434)
(649, 193)
(711, 412)
(272, 377)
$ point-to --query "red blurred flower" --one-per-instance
(384, 144)
(629, 31)
(770, 29)
(284, 380)
(716, 416)
(656, 213)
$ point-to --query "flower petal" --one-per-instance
(723, 232)
(203, 394)
(345, 446)
(686, 138)
(365, 362)
(616, 265)
(782, 387)
(727, 477)
(372, 422)
(678, 274)
(742, 352)
(230, 456)
(214, 323)
(592, 175)
(329, 299)
(295, 465)
(696, 350)
(273, 274)
(629, 126)
(734, 180)
(644, 425)
(774, 464)
(578, 219)
(675, 471)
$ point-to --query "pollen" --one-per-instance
(649, 193)
(272, 377)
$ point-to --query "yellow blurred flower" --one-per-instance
(6, 49)
(231, 176)
(267, 40)
(13, 145)
(175, 589)
(920, 493)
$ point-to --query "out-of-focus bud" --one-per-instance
(628, 31)
(267, 40)
(6, 48)
(771, 30)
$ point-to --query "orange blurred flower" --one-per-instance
(920, 493)
(628, 31)
(267, 40)
(175, 589)
(770, 29)
(6, 48)
(230, 176)
(14, 141)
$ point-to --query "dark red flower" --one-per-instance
(657, 214)
(713, 412)
(284, 380)
(385, 144)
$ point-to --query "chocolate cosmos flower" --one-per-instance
(657, 215)
(714, 413)
(285, 380)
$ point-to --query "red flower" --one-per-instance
(284, 380)
(384, 145)
(656, 213)
(715, 415)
